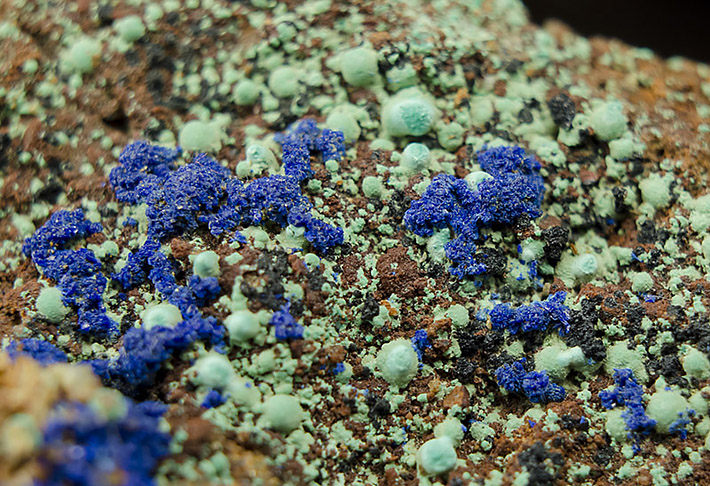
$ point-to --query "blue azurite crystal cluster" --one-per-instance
(514, 188)
(180, 200)
(82, 448)
(77, 272)
(535, 385)
(45, 353)
(550, 313)
(628, 393)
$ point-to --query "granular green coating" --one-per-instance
(486, 79)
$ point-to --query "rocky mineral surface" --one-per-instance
(348, 243)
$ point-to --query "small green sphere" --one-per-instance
(242, 326)
(165, 315)
(451, 428)
(206, 264)
(260, 157)
(82, 55)
(332, 165)
(616, 425)
(283, 81)
(401, 77)
(372, 186)
(476, 177)
(697, 402)
(409, 117)
(283, 413)
(245, 92)
(109, 403)
(655, 190)
(458, 315)
(608, 121)
(398, 362)
(243, 392)
(50, 305)
(585, 265)
(200, 136)
(621, 149)
(214, 370)
(130, 28)
(408, 114)
(557, 359)
(619, 355)
(415, 157)
(359, 66)
(641, 281)
(286, 31)
(437, 456)
(22, 431)
(450, 136)
(110, 248)
(343, 121)
(665, 407)
(30, 66)
(696, 364)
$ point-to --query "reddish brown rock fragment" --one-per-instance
(459, 396)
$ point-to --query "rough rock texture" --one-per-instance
(623, 140)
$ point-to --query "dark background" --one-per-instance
(680, 27)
